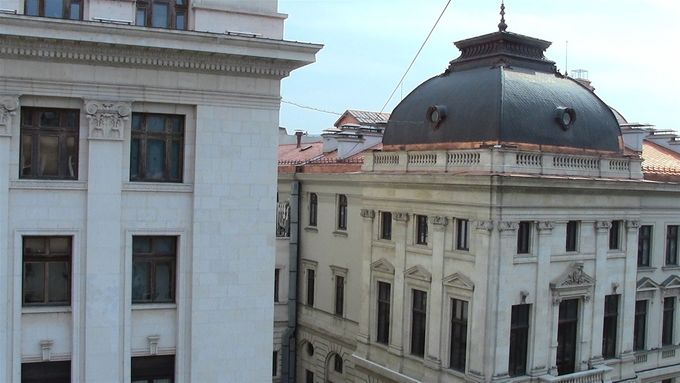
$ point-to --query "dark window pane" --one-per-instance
(418, 322)
(310, 287)
(640, 329)
(163, 282)
(572, 233)
(386, 225)
(74, 11)
(58, 282)
(611, 312)
(134, 158)
(33, 7)
(421, 229)
(49, 155)
(384, 301)
(35, 245)
(339, 295)
(34, 282)
(141, 244)
(523, 237)
(46, 372)
(164, 245)
(313, 205)
(155, 159)
(49, 119)
(54, 8)
(672, 245)
(159, 15)
(26, 154)
(60, 245)
(140, 20)
(155, 124)
(668, 319)
(614, 233)
(519, 336)
(458, 341)
(136, 117)
(141, 290)
(175, 156)
(180, 21)
(462, 234)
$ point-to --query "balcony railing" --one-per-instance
(594, 375)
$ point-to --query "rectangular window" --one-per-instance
(157, 147)
(309, 376)
(519, 339)
(153, 369)
(459, 322)
(572, 235)
(310, 286)
(524, 237)
(275, 363)
(154, 260)
(60, 9)
(384, 302)
(668, 319)
(462, 234)
(421, 229)
(609, 329)
(386, 225)
(418, 322)
(672, 245)
(644, 245)
(276, 285)
(49, 143)
(162, 14)
(42, 372)
(640, 329)
(313, 208)
(47, 271)
(339, 295)
(614, 236)
(342, 212)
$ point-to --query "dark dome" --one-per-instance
(502, 90)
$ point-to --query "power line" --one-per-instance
(310, 108)
(416, 56)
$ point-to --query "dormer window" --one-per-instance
(169, 14)
(58, 9)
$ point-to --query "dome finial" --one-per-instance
(502, 26)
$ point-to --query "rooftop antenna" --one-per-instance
(566, 57)
(502, 26)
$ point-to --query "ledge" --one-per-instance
(311, 229)
(45, 309)
(157, 187)
(153, 306)
(27, 184)
(340, 233)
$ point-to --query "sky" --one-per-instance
(629, 48)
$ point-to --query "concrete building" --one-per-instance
(511, 227)
(137, 171)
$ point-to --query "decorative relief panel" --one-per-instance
(368, 213)
(418, 272)
(107, 119)
(508, 226)
(484, 225)
(437, 220)
(383, 266)
(8, 108)
(400, 216)
(546, 226)
(460, 281)
(603, 225)
(573, 283)
(632, 225)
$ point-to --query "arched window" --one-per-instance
(313, 207)
(337, 363)
(342, 212)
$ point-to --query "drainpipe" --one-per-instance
(288, 343)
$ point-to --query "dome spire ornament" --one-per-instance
(502, 26)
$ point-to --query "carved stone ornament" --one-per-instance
(484, 225)
(508, 226)
(46, 349)
(383, 266)
(438, 220)
(603, 225)
(153, 343)
(107, 119)
(418, 272)
(632, 224)
(400, 216)
(546, 226)
(8, 108)
(573, 283)
(368, 213)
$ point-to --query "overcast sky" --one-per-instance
(629, 47)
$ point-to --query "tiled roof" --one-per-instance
(659, 163)
(365, 117)
(290, 154)
(313, 160)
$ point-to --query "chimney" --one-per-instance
(298, 136)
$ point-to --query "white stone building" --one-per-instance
(137, 152)
(507, 230)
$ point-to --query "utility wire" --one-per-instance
(310, 108)
(416, 56)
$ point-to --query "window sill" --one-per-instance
(524, 258)
(139, 186)
(616, 254)
(340, 233)
(460, 255)
(45, 309)
(153, 306)
(311, 229)
(646, 269)
(384, 243)
(670, 267)
(31, 184)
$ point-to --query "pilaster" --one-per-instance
(433, 354)
(104, 318)
(484, 247)
(539, 362)
(629, 293)
(365, 314)
(396, 327)
(599, 292)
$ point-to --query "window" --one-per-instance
(60, 9)
(49, 143)
(153, 269)
(519, 336)
(644, 245)
(523, 237)
(310, 286)
(418, 322)
(153, 369)
(46, 271)
(337, 363)
(156, 151)
(421, 229)
(609, 329)
(640, 328)
(462, 234)
(667, 328)
(275, 363)
(313, 208)
(309, 376)
(567, 330)
(342, 212)
(672, 245)
(339, 295)
(614, 234)
(384, 302)
(276, 285)
(572, 235)
(170, 14)
(386, 225)
(459, 322)
(42, 372)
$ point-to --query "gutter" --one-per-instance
(289, 341)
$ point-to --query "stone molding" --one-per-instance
(368, 213)
(8, 108)
(437, 220)
(573, 283)
(508, 226)
(90, 53)
(632, 225)
(546, 226)
(484, 225)
(107, 119)
(400, 216)
(603, 226)
(418, 272)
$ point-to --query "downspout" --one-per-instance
(288, 343)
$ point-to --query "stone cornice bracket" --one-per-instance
(400, 216)
(46, 349)
(602, 226)
(153, 343)
(545, 226)
(438, 221)
(632, 225)
(508, 226)
(368, 213)
(8, 108)
(483, 225)
(107, 119)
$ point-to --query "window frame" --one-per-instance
(640, 325)
(173, 10)
(615, 235)
(572, 236)
(154, 258)
(342, 212)
(65, 9)
(383, 312)
(150, 372)
(458, 359)
(277, 272)
(645, 245)
(462, 234)
(671, 251)
(45, 258)
(519, 340)
(421, 230)
(418, 338)
(62, 132)
(168, 137)
(60, 371)
(610, 323)
(338, 364)
(668, 322)
(310, 275)
(524, 237)
(386, 225)
(313, 209)
(339, 295)
(275, 363)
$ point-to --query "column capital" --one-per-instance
(484, 225)
(107, 119)
(400, 216)
(8, 108)
(368, 213)
(632, 225)
(603, 226)
(438, 221)
(508, 226)
(545, 227)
